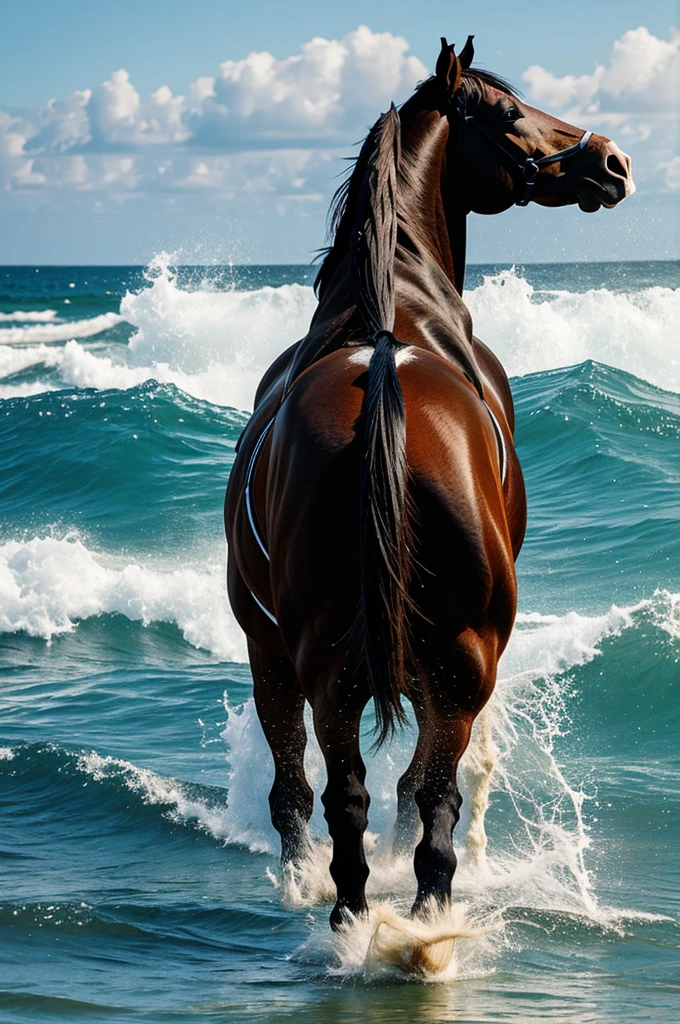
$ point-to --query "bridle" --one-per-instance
(530, 166)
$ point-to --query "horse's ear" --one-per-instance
(467, 54)
(448, 71)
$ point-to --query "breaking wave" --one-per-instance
(215, 343)
(541, 832)
(49, 584)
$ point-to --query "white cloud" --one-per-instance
(63, 123)
(277, 120)
(642, 76)
(119, 119)
(113, 108)
(15, 163)
(329, 89)
(266, 127)
(112, 138)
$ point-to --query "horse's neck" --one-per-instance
(456, 220)
(433, 220)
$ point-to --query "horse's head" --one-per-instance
(507, 152)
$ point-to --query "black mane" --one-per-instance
(481, 77)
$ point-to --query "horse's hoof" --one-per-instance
(341, 915)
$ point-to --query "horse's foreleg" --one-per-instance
(280, 706)
(346, 801)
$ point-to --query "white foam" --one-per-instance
(16, 359)
(38, 316)
(222, 340)
(6, 754)
(59, 332)
(215, 344)
(48, 584)
(36, 387)
(529, 331)
(383, 943)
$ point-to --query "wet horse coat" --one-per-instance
(376, 506)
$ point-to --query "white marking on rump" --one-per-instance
(405, 355)
(362, 356)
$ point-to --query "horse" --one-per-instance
(376, 505)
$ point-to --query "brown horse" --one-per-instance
(376, 506)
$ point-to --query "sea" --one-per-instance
(139, 877)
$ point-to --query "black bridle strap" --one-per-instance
(529, 166)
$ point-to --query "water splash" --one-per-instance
(215, 341)
(534, 856)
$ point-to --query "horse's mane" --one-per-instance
(344, 203)
(374, 234)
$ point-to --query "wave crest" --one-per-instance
(531, 331)
(59, 332)
(48, 584)
(37, 316)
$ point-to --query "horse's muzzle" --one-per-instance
(607, 175)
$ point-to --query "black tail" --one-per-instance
(384, 517)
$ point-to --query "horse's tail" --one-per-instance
(385, 550)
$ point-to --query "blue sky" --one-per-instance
(143, 126)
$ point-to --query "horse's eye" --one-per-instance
(510, 115)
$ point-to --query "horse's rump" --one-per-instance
(312, 483)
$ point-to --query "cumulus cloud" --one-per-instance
(63, 124)
(330, 88)
(112, 138)
(118, 118)
(671, 169)
(633, 97)
(642, 76)
(15, 163)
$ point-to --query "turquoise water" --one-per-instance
(137, 862)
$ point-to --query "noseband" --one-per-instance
(529, 166)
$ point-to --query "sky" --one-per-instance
(218, 131)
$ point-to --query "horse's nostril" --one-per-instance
(615, 165)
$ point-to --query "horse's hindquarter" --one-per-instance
(463, 548)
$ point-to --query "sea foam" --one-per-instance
(50, 331)
(215, 344)
(534, 864)
(48, 584)
(37, 316)
(531, 331)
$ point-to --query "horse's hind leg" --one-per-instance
(345, 800)
(280, 706)
(456, 691)
(408, 821)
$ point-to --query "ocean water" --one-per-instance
(138, 869)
